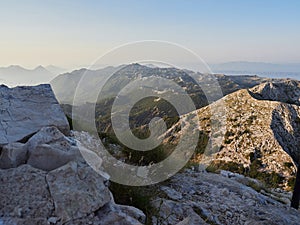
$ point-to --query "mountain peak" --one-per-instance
(39, 68)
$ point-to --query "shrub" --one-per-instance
(139, 197)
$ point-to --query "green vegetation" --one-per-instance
(227, 139)
(202, 142)
(251, 119)
(230, 166)
(70, 122)
(139, 197)
(270, 179)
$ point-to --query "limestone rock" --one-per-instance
(171, 193)
(13, 155)
(172, 212)
(21, 221)
(25, 110)
(49, 149)
(76, 191)
(24, 194)
(71, 194)
(117, 214)
(256, 130)
(215, 199)
(127, 210)
(287, 91)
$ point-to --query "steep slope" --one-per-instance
(285, 120)
(64, 85)
(195, 196)
(261, 138)
(287, 91)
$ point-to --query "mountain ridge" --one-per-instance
(15, 75)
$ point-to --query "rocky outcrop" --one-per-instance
(286, 128)
(71, 194)
(25, 198)
(48, 149)
(285, 117)
(43, 177)
(287, 91)
(12, 155)
(25, 110)
(208, 198)
(261, 136)
(52, 184)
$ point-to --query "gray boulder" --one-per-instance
(24, 195)
(76, 191)
(25, 110)
(49, 149)
(13, 155)
(72, 194)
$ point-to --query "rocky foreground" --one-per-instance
(206, 198)
(44, 179)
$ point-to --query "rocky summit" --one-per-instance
(25, 110)
(45, 180)
(261, 136)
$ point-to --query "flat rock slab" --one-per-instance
(25, 110)
(219, 200)
(24, 194)
(77, 191)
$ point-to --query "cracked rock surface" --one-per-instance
(208, 198)
(25, 110)
(43, 178)
(71, 194)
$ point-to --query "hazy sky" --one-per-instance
(74, 33)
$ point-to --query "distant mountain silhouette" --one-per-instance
(55, 69)
(15, 75)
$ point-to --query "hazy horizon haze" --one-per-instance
(71, 34)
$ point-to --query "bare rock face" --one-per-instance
(287, 91)
(260, 136)
(71, 194)
(50, 149)
(25, 110)
(43, 177)
(46, 181)
(209, 198)
(286, 128)
(24, 196)
(76, 191)
(13, 155)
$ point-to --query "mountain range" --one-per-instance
(261, 134)
(248, 178)
(15, 75)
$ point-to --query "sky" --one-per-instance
(74, 33)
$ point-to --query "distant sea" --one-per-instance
(292, 75)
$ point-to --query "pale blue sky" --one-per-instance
(74, 33)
